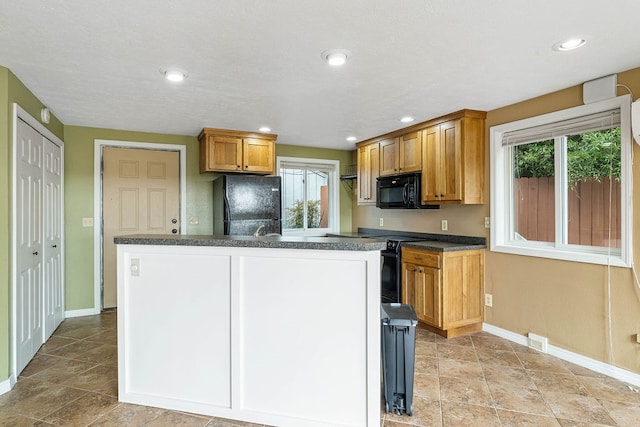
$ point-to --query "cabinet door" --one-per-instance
(389, 157)
(462, 294)
(258, 155)
(450, 147)
(421, 289)
(224, 153)
(427, 295)
(410, 152)
(368, 171)
(430, 164)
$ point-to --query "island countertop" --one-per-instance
(281, 242)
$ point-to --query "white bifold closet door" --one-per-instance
(39, 304)
(52, 245)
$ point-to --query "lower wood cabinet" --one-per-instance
(445, 289)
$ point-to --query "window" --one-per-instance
(310, 196)
(561, 184)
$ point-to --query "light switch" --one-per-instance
(87, 222)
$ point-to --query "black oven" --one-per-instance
(391, 269)
(398, 192)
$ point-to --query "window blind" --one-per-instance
(593, 122)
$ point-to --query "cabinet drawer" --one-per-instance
(417, 256)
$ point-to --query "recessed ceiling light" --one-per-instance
(406, 119)
(351, 138)
(335, 57)
(174, 75)
(569, 44)
(265, 129)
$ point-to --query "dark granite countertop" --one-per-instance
(429, 241)
(440, 246)
(281, 242)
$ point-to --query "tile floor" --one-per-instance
(476, 380)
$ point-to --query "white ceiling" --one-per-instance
(258, 62)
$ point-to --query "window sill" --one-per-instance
(563, 255)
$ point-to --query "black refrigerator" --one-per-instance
(244, 204)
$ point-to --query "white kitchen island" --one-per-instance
(274, 330)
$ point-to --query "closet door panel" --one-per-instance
(29, 239)
(52, 219)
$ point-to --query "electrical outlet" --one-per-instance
(135, 267)
(194, 220)
(445, 225)
(87, 222)
(381, 222)
(488, 300)
(487, 222)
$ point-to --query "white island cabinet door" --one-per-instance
(303, 355)
(177, 336)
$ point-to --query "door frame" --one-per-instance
(20, 113)
(99, 144)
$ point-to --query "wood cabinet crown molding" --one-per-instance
(237, 134)
(466, 113)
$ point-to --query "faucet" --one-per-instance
(257, 232)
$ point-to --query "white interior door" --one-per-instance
(141, 195)
(29, 256)
(53, 287)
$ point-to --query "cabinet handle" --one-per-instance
(35, 252)
(174, 231)
(237, 166)
(54, 246)
(442, 195)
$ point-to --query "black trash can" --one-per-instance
(398, 355)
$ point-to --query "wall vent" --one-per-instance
(537, 342)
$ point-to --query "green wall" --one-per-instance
(11, 90)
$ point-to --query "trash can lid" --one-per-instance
(398, 314)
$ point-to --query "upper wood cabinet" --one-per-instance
(235, 151)
(453, 160)
(401, 154)
(368, 172)
(448, 150)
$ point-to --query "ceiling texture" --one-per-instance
(253, 63)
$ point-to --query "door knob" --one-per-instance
(174, 231)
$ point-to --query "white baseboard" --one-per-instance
(7, 384)
(81, 312)
(575, 358)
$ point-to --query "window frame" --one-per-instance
(502, 222)
(334, 192)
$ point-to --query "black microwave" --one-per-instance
(398, 192)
